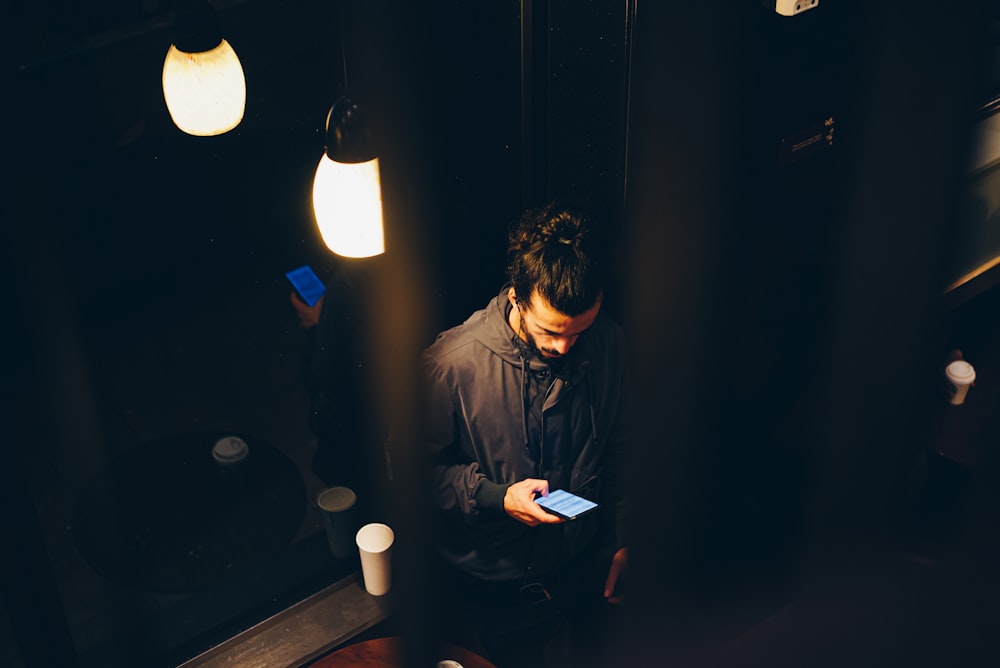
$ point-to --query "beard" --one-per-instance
(547, 355)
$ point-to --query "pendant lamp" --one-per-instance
(203, 82)
(347, 192)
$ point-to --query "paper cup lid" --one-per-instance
(374, 537)
(961, 371)
(336, 499)
(229, 450)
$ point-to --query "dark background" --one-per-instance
(785, 317)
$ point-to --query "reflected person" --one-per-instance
(337, 376)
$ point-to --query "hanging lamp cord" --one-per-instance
(343, 47)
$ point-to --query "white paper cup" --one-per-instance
(338, 507)
(230, 454)
(960, 375)
(375, 546)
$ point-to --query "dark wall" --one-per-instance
(734, 251)
(474, 101)
(763, 296)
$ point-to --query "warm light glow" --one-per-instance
(205, 92)
(347, 200)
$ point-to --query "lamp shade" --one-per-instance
(347, 201)
(347, 191)
(205, 91)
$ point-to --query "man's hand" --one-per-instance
(308, 315)
(519, 503)
(615, 577)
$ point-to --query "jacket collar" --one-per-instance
(504, 342)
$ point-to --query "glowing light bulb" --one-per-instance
(347, 201)
(205, 92)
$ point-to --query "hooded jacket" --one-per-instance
(496, 414)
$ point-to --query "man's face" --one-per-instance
(548, 331)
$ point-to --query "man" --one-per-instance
(524, 398)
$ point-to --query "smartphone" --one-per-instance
(564, 504)
(306, 284)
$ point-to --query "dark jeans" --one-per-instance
(561, 619)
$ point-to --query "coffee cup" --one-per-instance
(338, 507)
(959, 375)
(375, 547)
(230, 455)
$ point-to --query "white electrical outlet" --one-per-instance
(793, 7)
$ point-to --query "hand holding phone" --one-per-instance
(565, 505)
(519, 503)
(307, 284)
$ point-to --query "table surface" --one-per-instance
(388, 652)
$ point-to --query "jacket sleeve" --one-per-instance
(459, 486)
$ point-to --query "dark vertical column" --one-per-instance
(683, 201)
(534, 101)
(397, 78)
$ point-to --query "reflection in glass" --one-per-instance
(205, 92)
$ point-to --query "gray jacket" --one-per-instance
(484, 435)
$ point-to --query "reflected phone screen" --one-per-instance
(307, 284)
